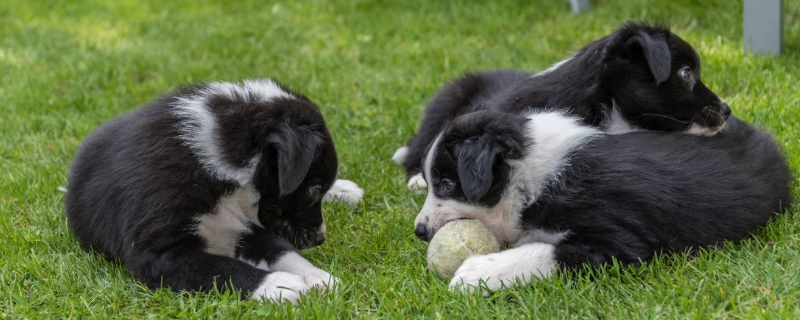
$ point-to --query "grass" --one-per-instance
(68, 66)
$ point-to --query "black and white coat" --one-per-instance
(639, 77)
(564, 194)
(217, 184)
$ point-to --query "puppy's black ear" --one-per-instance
(656, 52)
(477, 157)
(295, 147)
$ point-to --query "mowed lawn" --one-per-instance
(68, 66)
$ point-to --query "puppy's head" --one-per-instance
(653, 77)
(467, 170)
(298, 166)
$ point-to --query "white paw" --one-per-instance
(400, 155)
(294, 263)
(320, 278)
(417, 182)
(281, 286)
(344, 190)
(513, 266)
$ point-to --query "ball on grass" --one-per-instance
(455, 242)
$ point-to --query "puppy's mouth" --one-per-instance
(301, 237)
(709, 121)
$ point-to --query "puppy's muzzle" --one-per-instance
(303, 237)
(308, 238)
(711, 119)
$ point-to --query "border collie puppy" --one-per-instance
(638, 77)
(216, 184)
(564, 194)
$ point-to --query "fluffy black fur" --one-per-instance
(651, 75)
(625, 197)
(137, 190)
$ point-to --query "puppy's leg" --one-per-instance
(416, 182)
(294, 263)
(269, 251)
(198, 270)
(513, 266)
(344, 190)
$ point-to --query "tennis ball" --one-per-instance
(455, 242)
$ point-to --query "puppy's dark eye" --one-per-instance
(315, 191)
(685, 73)
(448, 185)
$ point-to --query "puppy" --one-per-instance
(640, 77)
(214, 185)
(564, 194)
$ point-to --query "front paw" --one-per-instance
(513, 266)
(320, 278)
(281, 286)
(417, 182)
(294, 263)
(344, 190)
(476, 273)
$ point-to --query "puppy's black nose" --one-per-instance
(726, 111)
(319, 239)
(421, 232)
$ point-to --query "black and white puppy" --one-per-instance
(216, 184)
(564, 194)
(638, 77)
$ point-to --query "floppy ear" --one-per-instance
(476, 158)
(656, 53)
(295, 147)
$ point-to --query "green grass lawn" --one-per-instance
(68, 66)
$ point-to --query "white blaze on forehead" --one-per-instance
(428, 207)
(199, 131)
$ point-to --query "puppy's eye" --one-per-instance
(685, 73)
(448, 185)
(315, 191)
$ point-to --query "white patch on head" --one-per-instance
(553, 67)
(400, 155)
(281, 286)
(344, 190)
(516, 266)
(698, 130)
(198, 128)
(554, 135)
(222, 228)
(614, 123)
(417, 182)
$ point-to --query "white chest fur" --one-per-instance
(230, 219)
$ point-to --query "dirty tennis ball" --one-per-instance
(455, 242)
